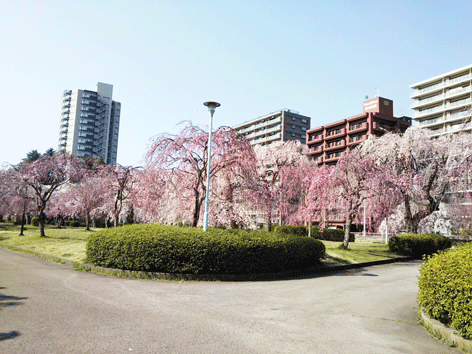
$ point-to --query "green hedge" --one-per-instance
(417, 245)
(445, 288)
(172, 249)
(72, 223)
(291, 230)
(326, 234)
(35, 221)
(336, 235)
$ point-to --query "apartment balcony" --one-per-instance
(358, 140)
(317, 150)
(429, 111)
(335, 147)
(458, 91)
(265, 139)
(457, 80)
(315, 139)
(458, 115)
(259, 125)
(434, 99)
(464, 102)
(360, 128)
(334, 136)
(432, 88)
(328, 159)
(428, 123)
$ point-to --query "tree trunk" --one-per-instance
(23, 219)
(411, 220)
(196, 211)
(87, 224)
(269, 221)
(42, 222)
(347, 230)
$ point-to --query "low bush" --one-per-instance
(291, 230)
(336, 235)
(417, 245)
(175, 249)
(72, 223)
(35, 221)
(445, 288)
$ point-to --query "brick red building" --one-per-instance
(326, 144)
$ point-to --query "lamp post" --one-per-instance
(211, 107)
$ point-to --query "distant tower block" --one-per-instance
(90, 123)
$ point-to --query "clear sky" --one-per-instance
(165, 58)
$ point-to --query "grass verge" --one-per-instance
(358, 252)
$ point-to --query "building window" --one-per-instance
(304, 121)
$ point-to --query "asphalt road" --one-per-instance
(49, 308)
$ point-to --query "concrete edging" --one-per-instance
(444, 333)
(293, 274)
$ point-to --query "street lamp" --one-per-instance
(211, 107)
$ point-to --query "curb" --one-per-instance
(293, 274)
(444, 333)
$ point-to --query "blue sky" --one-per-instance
(165, 58)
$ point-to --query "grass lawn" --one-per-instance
(65, 242)
(70, 243)
(359, 251)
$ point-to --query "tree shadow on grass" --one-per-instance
(337, 260)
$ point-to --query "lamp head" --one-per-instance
(211, 105)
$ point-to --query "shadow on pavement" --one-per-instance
(8, 300)
(9, 335)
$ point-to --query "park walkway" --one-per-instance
(50, 308)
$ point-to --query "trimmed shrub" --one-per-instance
(417, 245)
(336, 235)
(445, 288)
(159, 248)
(291, 230)
(72, 223)
(35, 221)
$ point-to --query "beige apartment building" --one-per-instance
(442, 103)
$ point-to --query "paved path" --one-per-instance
(49, 308)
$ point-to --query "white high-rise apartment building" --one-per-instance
(281, 125)
(89, 123)
(442, 103)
